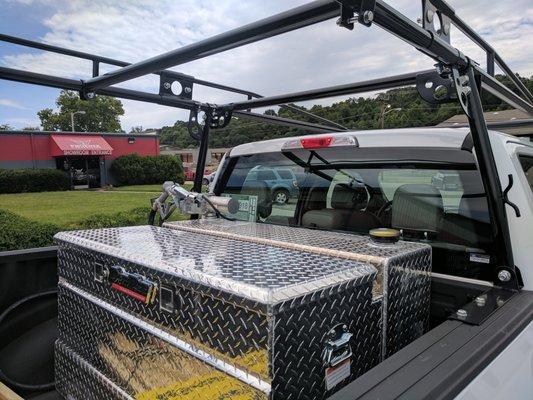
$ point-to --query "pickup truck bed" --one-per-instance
(441, 363)
(437, 366)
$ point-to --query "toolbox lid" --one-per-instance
(343, 245)
(259, 272)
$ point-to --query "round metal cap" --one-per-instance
(384, 235)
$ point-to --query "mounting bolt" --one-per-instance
(480, 301)
(90, 95)
(504, 275)
(187, 89)
(166, 85)
(461, 313)
(368, 17)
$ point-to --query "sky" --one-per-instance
(313, 57)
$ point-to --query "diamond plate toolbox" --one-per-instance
(148, 312)
(403, 284)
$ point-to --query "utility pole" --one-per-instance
(72, 118)
(385, 109)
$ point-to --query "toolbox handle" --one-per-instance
(131, 284)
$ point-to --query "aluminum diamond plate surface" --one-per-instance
(76, 379)
(213, 335)
(403, 268)
(256, 272)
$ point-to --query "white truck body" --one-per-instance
(510, 374)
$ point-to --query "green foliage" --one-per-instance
(6, 127)
(137, 216)
(101, 114)
(354, 113)
(133, 169)
(33, 180)
(20, 233)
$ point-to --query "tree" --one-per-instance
(101, 114)
(136, 129)
(31, 128)
(6, 127)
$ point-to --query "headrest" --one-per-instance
(417, 207)
(348, 198)
(317, 198)
(475, 208)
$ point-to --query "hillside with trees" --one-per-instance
(406, 107)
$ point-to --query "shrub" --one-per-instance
(33, 180)
(137, 216)
(133, 169)
(20, 233)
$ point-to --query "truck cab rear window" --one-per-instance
(527, 165)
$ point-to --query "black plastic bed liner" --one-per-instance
(441, 363)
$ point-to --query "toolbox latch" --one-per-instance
(337, 347)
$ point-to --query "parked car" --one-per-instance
(189, 173)
(282, 182)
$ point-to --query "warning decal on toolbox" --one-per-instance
(334, 375)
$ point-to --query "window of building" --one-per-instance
(217, 156)
(186, 157)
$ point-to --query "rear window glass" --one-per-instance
(437, 201)
(527, 166)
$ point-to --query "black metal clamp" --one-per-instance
(219, 118)
(352, 11)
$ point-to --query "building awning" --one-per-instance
(79, 145)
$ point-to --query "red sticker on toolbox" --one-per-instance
(336, 374)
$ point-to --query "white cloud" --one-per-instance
(316, 56)
(11, 103)
(22, 122)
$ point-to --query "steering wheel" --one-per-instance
(383, 208)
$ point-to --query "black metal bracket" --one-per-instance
(181, 87)
(463, 89)
(85, 94)
(194, 126)
(435, 18)
(352, 11)
(436, 88)
(483, 306)
(218, 118)
(506, 198)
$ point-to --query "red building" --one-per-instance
(86, 156)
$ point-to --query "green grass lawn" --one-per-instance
(65, 209)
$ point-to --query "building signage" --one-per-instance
(68, 145)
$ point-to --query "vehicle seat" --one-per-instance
(470, 226)
(417, 208)
(475, 208)
(264, 197)
(316, 200)
(347, 212)
(334, 218)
